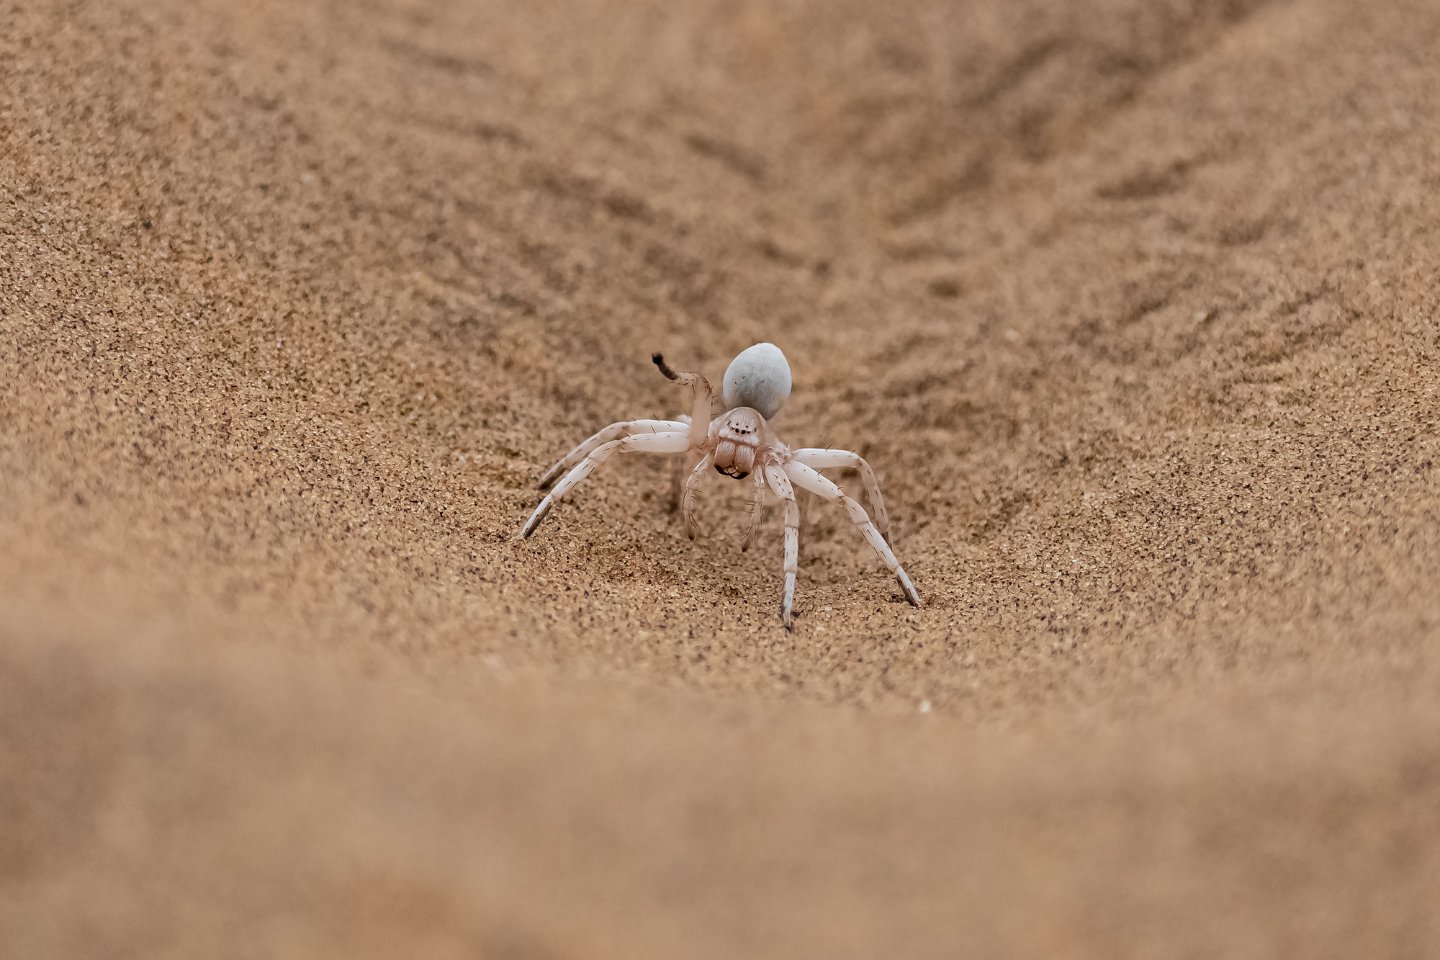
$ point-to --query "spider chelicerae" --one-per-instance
(739, 444)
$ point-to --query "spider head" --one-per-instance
(738, 436)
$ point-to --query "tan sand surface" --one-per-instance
(1134, 304)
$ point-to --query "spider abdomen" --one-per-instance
(758, 377)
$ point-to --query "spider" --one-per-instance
(738, 444)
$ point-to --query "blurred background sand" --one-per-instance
(1133, 305)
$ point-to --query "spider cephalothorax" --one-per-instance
(738, 444)
(739, 436)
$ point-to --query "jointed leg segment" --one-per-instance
(757, 505)
(670, 442)
(806, 478)
(700, 413)
(680, 473)
(822, 458)
(780, 483)
(625, 428)
(692, 486)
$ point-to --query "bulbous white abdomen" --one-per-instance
(759, 377)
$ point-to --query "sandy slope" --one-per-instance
(1133, 305)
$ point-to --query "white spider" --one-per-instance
(738, 444)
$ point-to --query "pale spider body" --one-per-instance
(739, 444)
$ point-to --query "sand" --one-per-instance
(1133, 306)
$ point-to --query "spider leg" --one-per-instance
(704, 400)
(826, 458)
(692, 485)
(672, 442)
(807, 478)
(780, 482)
(757, 505)
(682, 469)
(624, 428)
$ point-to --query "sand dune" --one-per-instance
(1132, 305)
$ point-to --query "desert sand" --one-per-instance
(1132, 304)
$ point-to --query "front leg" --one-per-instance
(682, 469)
(757, 506)
(674, 442)
(625, 428)
(807, 478)
(692, 486)
(780, 483)
(702, 398)
(828, 458)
